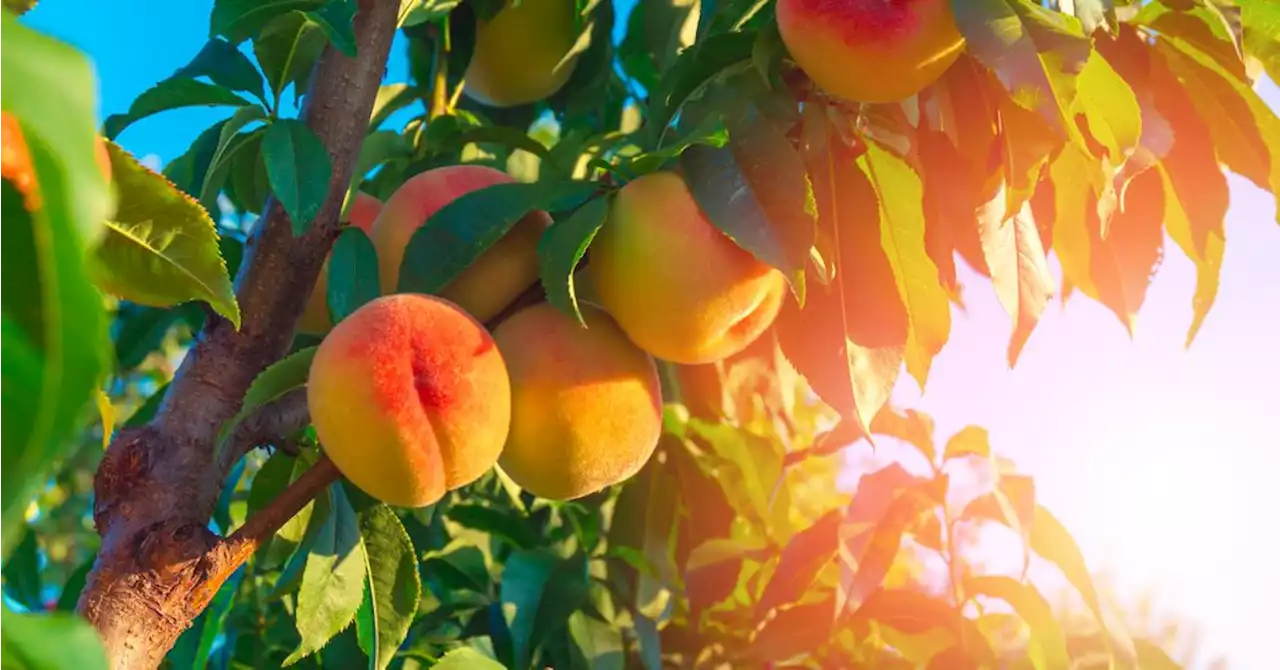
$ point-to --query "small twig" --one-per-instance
(228, 555)
(272, 423)
(440, 82)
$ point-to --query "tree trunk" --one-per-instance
(157, 486)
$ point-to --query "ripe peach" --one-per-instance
(15, 160)
(497, 276)
(870, 50)
(315, 319)
(586, 405)
(410, 398)
(516, 53)
(679, 287)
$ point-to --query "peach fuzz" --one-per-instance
(500, 274)
(315, 319)
(870, 50)
(586, 405)
(410, 398)
(516, 53)
(679, 287)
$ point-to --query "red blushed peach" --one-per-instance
(679, 287)
(315, 319)
(410, 398)
(870, 50)
(500, 274)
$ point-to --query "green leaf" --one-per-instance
(561, 247)
(225, 66)
(353, 273)
(378, 148)
(1111, 108)
(869, 553)
(1050, 539)
(1035, 52)
(281, 377)
(1048, 645)
(229, 144)
(1261, 24)
(333, 580)
(335, 18)
(390, 99)
(803, 557)
(174, 93)
(287, 48)
(22, 573)
(54, 338)
(968, 441)
(238, 20)
(448, 242)
(501, 523)
(298, 169)
(19, 7)
(393, 580)
(194, 646)
(912, 427)
(1212, 26)
(657, 31)
(72, 588)
(161, 248)
(1245, 130)
(1094, 14)
(691, 71)
(599, 644)
(757, 192)
(848, 340)
(466, 658)
(543, 590)
(415, 12)
(50, 642)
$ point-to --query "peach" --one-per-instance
(315, 319)
(870, 50)
(410, 398)
(497, 277)
(679, 287)
(15, 160)
(517, 51)
(586, 405)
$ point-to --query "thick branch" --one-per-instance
(157, 485)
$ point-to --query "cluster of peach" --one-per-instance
(412, 396)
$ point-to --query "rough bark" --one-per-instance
(157, 486)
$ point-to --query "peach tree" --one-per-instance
(548, 355)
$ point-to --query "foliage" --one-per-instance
(1086, 130)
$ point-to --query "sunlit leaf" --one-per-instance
(1261, 23)
(912, 426)
(1110, 107)
(161, 248)
(600, 644)
(968, 441)
(908, 610)
(690, 72)
(58, 641)
(333, 579)
(392, 580)
(1093, 14)
(793, 631)
(804, 556)
(1019, 267)
(281, 377)
(869, 553)
(1050, 539)
(1048, 645)
(501, 523)
(466, 658)
(560, 249)
(237, 20)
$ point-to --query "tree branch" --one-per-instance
(269, 425)
(158, 484)
(229, 554)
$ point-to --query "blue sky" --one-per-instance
(1159, 459)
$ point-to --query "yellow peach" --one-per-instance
(500, 274)
(586, 405)
(410, 397)
(676, 284)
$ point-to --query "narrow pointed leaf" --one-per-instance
(333, 580)
(237, 20)
(1019, 267)
(1048, 644)
(969, 441)
(353, 273)
(281, 377)
(335, 18)
(224, 65)
(298, 169)
(170, 94)
(560, 249)
(394, 584)
(804, 556)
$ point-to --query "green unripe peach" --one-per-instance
(518, 50)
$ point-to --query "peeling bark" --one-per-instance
(157, 486)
